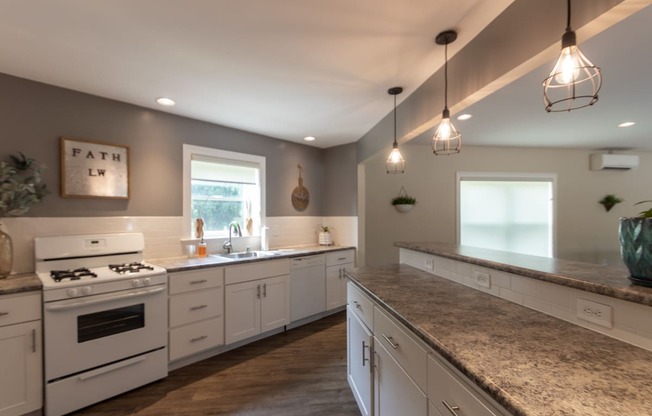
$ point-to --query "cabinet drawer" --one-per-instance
(20, 308)
(445, 387)
(195, 306)
(307, 261)
(407, 351)
(256, 270)
(340, 257)
(200, 336)
(361, 305)
(195, 280)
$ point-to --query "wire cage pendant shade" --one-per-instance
(447, 140)
(574, 82)
(395, 162)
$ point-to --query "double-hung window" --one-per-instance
(507, 212)
(221, 187)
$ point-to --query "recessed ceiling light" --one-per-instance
(463, 117)
(309, 139)
(168, 102)
(627, 124)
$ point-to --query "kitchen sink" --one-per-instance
(246, 255)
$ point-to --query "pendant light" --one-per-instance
(447, 140)
(574, 81)
(395, 162)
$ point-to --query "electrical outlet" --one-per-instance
(594, 312)
(429, 264)
(482, 279)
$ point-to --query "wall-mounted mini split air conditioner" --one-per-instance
(610, 161)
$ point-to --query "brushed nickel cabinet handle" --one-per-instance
(198, 307)
(197, 282)
(391, 341)
(356, 304)
(201, 338)
(364, 359)
(452, 409)
(4, 313)
(341, 258)
(33, 340)
(258, 291)
(264, 290)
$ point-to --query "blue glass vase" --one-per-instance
(636, 248)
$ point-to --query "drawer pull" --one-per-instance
(341, 258)
(452, 409)
(391, 341)
(198, 282)
(201, 338)
(356, 304)
(196, 308)
(4, 313)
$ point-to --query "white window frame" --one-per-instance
(508, 176)
(189, 151)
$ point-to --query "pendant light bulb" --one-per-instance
(574, 81)
(447, 140)
(395, 162)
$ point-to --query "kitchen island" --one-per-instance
(529, 362)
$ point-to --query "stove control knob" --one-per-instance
(72, 292)
(147, 281)
(87, 290)
(135, 282)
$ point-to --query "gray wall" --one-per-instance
(341, 186)
(34, 115)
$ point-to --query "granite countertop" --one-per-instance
(529, 362)
(179, 264)
(17, 283)
(607, 281)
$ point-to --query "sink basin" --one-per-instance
(245, 255)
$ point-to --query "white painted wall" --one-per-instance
(585, 231)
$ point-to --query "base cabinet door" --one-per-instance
(394, 391)
(275, 302)
(21, 377)
(335, 287)
(242, 311)
(359, 365)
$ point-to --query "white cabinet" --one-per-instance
(21, 363)
(336, 264)
(394, 391)
(453, 394)
(359, 363)
(254, 302)
(196, 311)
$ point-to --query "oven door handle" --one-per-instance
(59, 306)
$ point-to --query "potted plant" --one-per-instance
(403, 203)
(325, 236)
(609, 201)
(21, 186)
(636, 245)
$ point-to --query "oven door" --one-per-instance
(88, 332)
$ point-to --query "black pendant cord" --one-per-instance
(395, 121)
(446, 76)
(568, 15)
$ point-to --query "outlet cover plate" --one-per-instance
(482, 279)
(595, 312)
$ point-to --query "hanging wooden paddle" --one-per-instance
(300, 195)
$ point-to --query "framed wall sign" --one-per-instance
(94, 170)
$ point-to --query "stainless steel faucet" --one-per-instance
(227, 244)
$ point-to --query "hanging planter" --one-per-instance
(403, 202)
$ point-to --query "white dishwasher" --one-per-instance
(307, 286)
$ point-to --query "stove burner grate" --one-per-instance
(125, 268)
(59, 275)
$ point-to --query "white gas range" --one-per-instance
(104, 318)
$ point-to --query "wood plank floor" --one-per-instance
(299, 372)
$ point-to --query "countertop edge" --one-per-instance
(20, 283)
(626, 293)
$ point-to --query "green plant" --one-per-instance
(21, 186)
(404, 200)
(324, 228)
(609, 201)
(648, 212)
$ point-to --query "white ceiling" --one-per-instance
(515, 115)
(282, 68)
